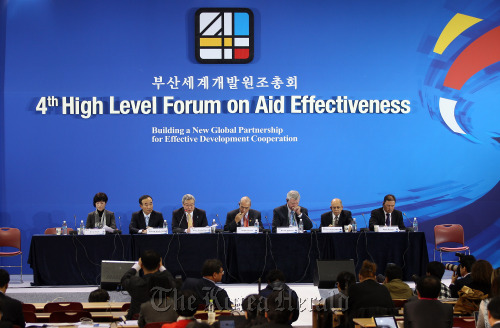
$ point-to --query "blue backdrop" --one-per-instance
(380, 55)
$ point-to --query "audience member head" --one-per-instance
(393, 271)
(253, 305)
(481, 272)
(495, 274)
(368, 271)
(495, 287)
(150, 260)
(428, 287)
(436, 269)
(494, 310)
(186, 303)
(99, 295)
(466, 263)
(100, 197)
(279, 307)
(212, 269)
(4, 280)
(159, 287)
(345, 279)
(275, 275)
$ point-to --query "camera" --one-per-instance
(452, 267)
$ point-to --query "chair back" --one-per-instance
(464, 322)
(62, 306)
(52, 231)
(10, 237)
(28, 307)
(30, 317)
(72, 316)
(448, 233)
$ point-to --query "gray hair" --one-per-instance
(187, 197)
(293, 194)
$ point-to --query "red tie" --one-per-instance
(245, 221)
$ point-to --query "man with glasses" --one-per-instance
(188, 216)
(337, 217)
(244, 216)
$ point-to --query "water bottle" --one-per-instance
(354, 225)
(82, 226)
(214, 225)
(64, 229)
(256, 224)
(415, 225)
(301, 226)
(211, 311)
(165, 226)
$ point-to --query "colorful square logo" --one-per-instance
(224, 35)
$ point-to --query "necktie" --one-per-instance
(147, 221)
(190, 220)
(245, 221)
(388, 220)
(336, 221)
(292, 218)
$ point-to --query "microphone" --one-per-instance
(217, 219)
(75, 222)
(411, 223)
(267, 221)
(120, 222)
(366, 225)
(179, 227)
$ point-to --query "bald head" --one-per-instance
(336, 206)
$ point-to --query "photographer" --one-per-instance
(464, 270)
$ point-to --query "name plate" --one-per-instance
(247, 230)
(287, 229)
(200, 230)
(94, 232)
(388, 229)
(331, 229)
(157, 231)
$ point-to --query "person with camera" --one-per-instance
(462, 270)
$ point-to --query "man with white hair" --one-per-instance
(291, 213)
(188, 216)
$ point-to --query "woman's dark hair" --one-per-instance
(481, 272)
(345, 279)
(495, 287)
(100, 197)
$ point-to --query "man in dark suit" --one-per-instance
(188, 216)
(12, 309)
(139, 287)
(205, 287)
(338, 217)
(291, 213)
(146, 217)
(427, 311)
(464, 271)
(243, 216)
(494, 312)
(387, 215)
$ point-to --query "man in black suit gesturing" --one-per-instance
(146, 217)
(291, 213)
(186, 217)
(243, 216)
(338, 217)
(387, 215)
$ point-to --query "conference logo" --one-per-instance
(224, 35)
(463, 76)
